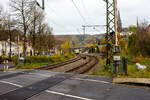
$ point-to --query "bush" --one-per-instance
(1, 59)
(15, 60)
(38, 59)
(46, 59)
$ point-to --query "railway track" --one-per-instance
(80, 68)
(86, 67)
(56, 65)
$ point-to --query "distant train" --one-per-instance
(77, 51)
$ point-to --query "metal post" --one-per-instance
(107, 32)
(110, 22)
(18, 50)
(43, 4)
(116, 22)
(83, 32)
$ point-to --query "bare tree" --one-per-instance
(9, 27)
(22, 11)
(0, 15)
(37, 24)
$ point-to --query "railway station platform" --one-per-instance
(48, 85)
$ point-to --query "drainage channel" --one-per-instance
(143, 85)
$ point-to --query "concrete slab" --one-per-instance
(96, 78)
(25, 80)
(10, 72)
(30, 78)
(9, 75)
(119, 92)
(85, 89)
(132, 80)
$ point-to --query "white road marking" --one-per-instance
(53, 92)
(11, 83)
(90, 80)
(58, 93)
(62, 94)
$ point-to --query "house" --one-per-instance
(5, 48)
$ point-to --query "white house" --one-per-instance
(5, 48)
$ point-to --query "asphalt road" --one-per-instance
(48, 85)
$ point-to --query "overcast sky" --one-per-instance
(64, 18)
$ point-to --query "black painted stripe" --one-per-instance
(31, 90)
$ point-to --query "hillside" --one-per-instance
(77, 40)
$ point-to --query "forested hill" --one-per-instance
(77, 40)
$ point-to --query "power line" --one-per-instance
(79, 11)
(82, 2)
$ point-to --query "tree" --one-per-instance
(9, 25)
(37, 24)
(143, 39)
(22, 11)
(0, 17)
(66, 47)
(132, 29)
(139, 41)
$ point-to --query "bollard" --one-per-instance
(7, 65)
(125, 66)
(125, 63)
(4, 66)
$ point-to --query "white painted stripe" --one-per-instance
(67, 95)
(90, 80)
(11, 83)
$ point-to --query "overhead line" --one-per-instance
(79, 11)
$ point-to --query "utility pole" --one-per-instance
(116, 22)
(112, 47)
(83, 32)
(110, 29)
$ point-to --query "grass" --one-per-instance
(103, 70)
(30, 66)
(133, 72)
(35, 62)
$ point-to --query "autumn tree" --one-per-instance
(66, 47)
(138, 42)
(143, 39)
